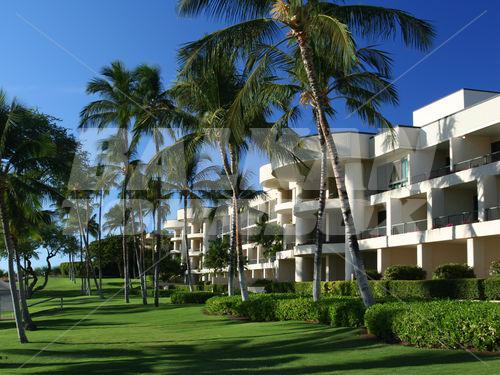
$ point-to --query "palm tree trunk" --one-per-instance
(142, 270)
(28, 322)
(126, 276)
(156, 254)
(11, 251)
(99, 237)
(237, 235)
(351, 237)
(232, 240)
(320, 222)
(186, 247)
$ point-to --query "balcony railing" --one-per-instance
(373, 232)
(289, 246)
(493, 213)
(311, 240)
(456, 219)
(408, 227)
(438, 172)
(252, 261)
(398, 184)
(477, 162)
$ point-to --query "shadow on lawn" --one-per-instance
(238, 356)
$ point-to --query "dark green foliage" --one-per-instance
(340, 288)
(495, 268)
(402, 272)
(217, 256)
(438, 324)
(492, 288)
(198, 297)
(453, 271)
(373, 275)
(280, 287)
(339, 312)
(64, 268)
(304, 287)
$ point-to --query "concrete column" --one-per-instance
(435, 205)
(476, 257)
(264, 273)
(355, 186)
(424, 259)
(393, 209)
(486, 195)
(383, 259)
(205, 237)
(303, 269)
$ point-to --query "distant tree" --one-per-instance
(217, 257)
(269, 236)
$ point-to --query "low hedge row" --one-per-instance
(183, 298)
(438, 324)
(467, 289)
(338, 312)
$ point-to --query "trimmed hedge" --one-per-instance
(438, 324)
(402, 272)
(183, 298)
(338, 312)
(492, 288)
(495, 268)
(453, 271)
(415, 289)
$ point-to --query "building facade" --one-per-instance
(424, 195)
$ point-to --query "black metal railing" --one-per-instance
(373, 232)
(455, 219)
(408, 227)
(477, 162)
(493, 213)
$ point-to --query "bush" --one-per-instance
(438, 324)
(453, 271)
(262, 282)
(341, 288)
(183, 298)
(495, 268)
(401, 272)
(373, 275)
(280, 287)
(304, 287)
(339, 312)
(492, 288)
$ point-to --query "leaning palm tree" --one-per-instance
(364, 85)
(115, 108)
(330, 26)
(232, 107)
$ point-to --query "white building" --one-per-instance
(427, 195)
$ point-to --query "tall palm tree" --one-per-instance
(190, 175)
(231, 106)
(331, 27)
(115, 108)
(364, 85)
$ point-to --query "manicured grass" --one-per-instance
(131, 339)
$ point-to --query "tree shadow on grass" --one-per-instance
(339, 350)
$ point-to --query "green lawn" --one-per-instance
(131, 339)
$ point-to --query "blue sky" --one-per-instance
(51, 49)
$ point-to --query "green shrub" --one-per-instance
(373, 274)
(304, 287)
(345, 312)
(280, 287)
(341, 288)
(198, 297)
(438, 324)
(492, 288)
(402, 272)
(301, 308)
(223, 305)
(452, 271)
(262, 282)
(495, 268)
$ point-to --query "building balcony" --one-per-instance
(285, 207)
(493, 213)
(409, 227)
(477, 162)
(373, 232)
(455, 219)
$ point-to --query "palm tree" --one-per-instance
(364, 85)
(116, 108)
(35, 157)
(328, 25)
(189, 177)
(231, 106)
(156, 114)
